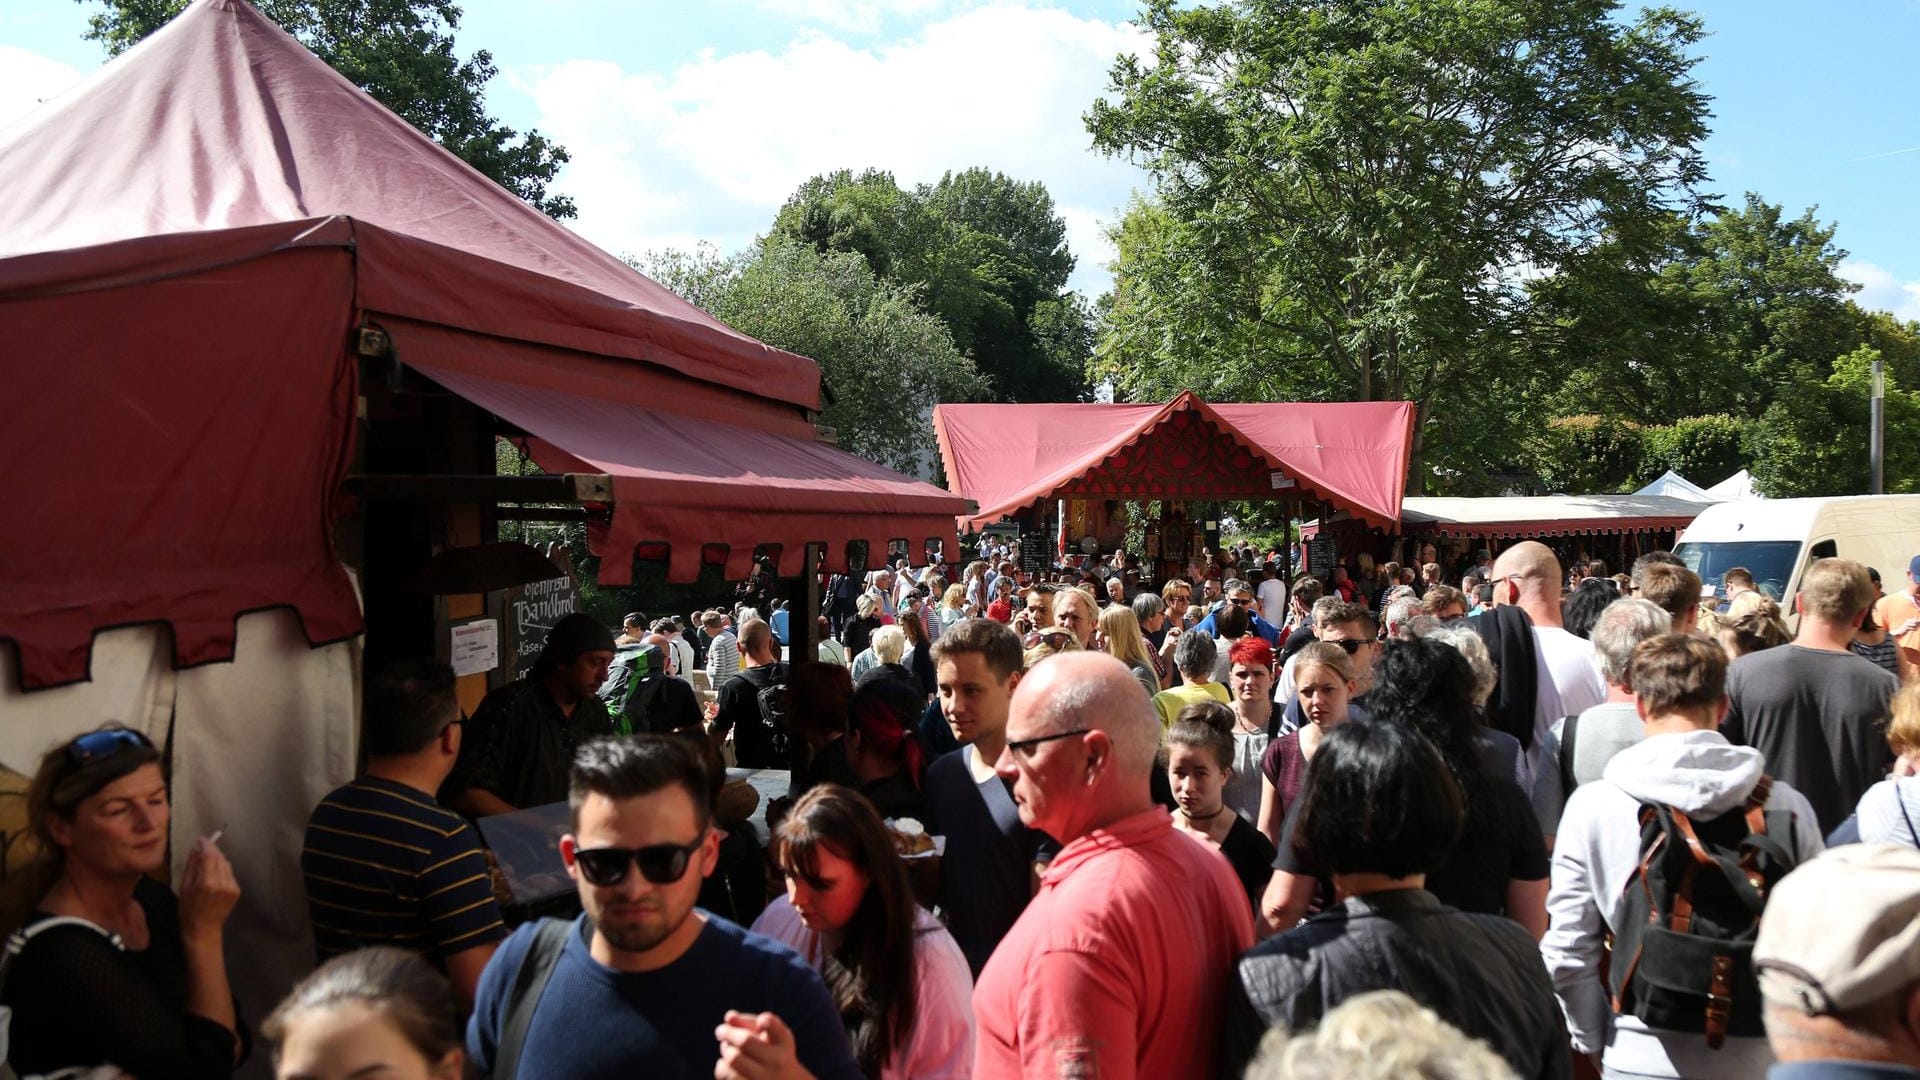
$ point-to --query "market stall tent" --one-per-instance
(208, 250)
(1005, 458)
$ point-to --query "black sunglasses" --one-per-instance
(1352, 645)
(661, 864)
(1025, 746)
(100, 745)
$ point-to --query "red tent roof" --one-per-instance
(187, 243)
(1008, 457)
(222, 120)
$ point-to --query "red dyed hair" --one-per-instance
(1252, 651)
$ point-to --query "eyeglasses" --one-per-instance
(1240, 601)
(1023, 747)
(661, 864)
(1037, 636)
(100, 745)
(1352, 645)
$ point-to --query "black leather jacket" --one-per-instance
(1480, 973)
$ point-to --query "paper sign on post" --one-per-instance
(476, 647)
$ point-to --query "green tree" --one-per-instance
(1704, 449)
(987, 254)
(884, 361)
(1581, 455)
(1350, 194)
(1815, 438)
(401, 52)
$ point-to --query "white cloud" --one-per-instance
(712, 148)
(1882, 290)
(858, 16)
(27, 79)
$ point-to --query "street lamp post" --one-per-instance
(1878, 438)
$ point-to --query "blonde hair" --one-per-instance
(1752, 602)
(954, 596)
(1322, 654)
(1382, 1035)
(1122, 633)
(889, 644)
(1836, 590)
(1903, 734)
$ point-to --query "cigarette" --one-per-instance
(214, 836)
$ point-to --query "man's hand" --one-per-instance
(1906, 628)
(757, 1047)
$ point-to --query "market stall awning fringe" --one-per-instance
(692, 485)
(1352, 455)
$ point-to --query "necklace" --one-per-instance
(1197, 818)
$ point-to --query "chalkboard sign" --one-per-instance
(1322, 556)
(1035, 547)
(532, 609)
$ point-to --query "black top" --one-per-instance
(79, 1001)
(520, 746)
(986, 875)
(857, 635)
(1480, 973)
(1250, 854)
(828, 766)
(739, 713)
(920, 662)
(1500, 845)
(895, 796)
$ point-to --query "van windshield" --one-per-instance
(1770, 561)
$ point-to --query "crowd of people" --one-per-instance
(1541, 823)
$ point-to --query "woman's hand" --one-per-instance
(208, 891)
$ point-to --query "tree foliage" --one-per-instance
(402, 53)
(1814, 439)
(885, 362)
(988, 255)
(1349, 195)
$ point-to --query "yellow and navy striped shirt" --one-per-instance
(387, 865)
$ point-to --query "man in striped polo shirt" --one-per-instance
(387, 865)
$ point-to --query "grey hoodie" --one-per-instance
(1596, 850)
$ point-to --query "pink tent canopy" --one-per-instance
(1008, 457)
(189, 241)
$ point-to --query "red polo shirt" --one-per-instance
(1118, 968)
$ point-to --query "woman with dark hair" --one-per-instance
(882, 750)
(817, 698)
(380, 1011)
(115, 968)
(1200, 750)
(903, 987)
(1500, 865)
(1583, 606)
(1381, 812)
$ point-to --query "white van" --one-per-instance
(1776, 539)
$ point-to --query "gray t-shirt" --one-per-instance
(1598, 734)
(1820, 718)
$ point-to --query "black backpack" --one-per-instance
(773, 713)
(1684, 928)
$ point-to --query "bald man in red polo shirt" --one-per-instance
(1118, 967)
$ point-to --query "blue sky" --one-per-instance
(691, 123)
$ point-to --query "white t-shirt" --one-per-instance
(1272, 595)
(1570, 683)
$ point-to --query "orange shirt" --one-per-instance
(1894, 609)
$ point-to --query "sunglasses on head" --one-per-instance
(661, 864)
(100, 745)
